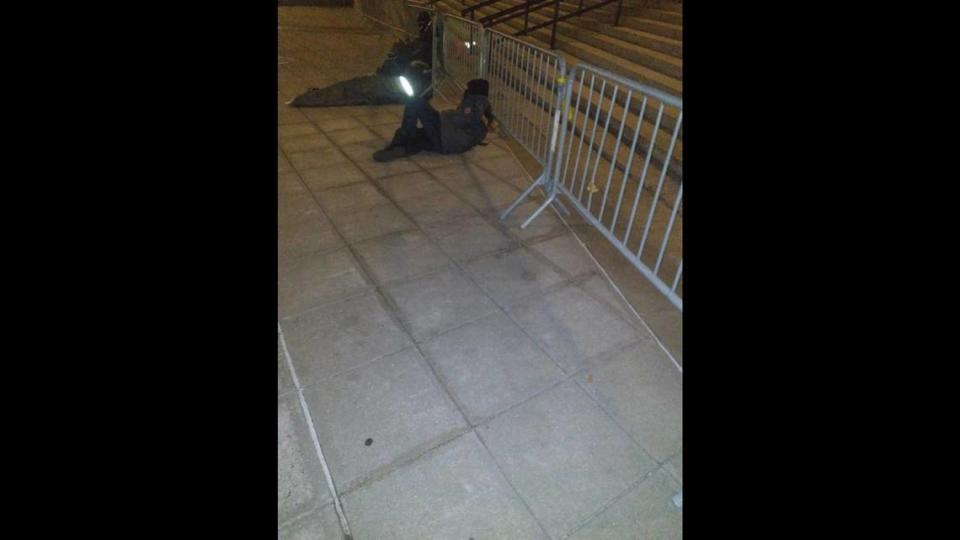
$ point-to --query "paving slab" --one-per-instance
(572, 326)
(438, 302)
(333, 175)
(511, 276)
(300, 482)
(645, 512)
(300, 143)
(470, 238)
(305, 237)
(315, 158)
(350, 198)
(284, 381)
(372, 222)
(379, 415)
(401, 256)
(565, 252)
(454, 491)
(334, 338)
(642, 390)
(564, 456)
(415, 185)
(675, 467)
(490, 365)
(315, 279)
(320, 524)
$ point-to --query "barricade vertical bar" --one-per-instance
(524, 97)
(663, 175)
(537, 117)
(603, 139)
(559, 127)
(626, 172)
(531, 67)
(643, 176)
(434, 57)
(616, 152)
(547, 116)
(514, 62)
(534, 93)
(586, 119)
(502, 78)
(676, 278)
(484, 46)
(666, 235)
(593, 136)
(573, 127)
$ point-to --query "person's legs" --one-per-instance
(430, 120)
(409, 139)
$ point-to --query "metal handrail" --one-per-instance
(529, 6)
(579, 11)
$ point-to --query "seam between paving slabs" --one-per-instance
(344, 526)
(617, 498)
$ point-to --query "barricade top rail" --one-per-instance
(666, 98)
(459, 18)
(554, 54)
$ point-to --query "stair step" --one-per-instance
(597, 55)
(607, 12)
(647, 40)
(673, 6)
(655, 14)
(659, 61)
(660, 28)
(642, 38)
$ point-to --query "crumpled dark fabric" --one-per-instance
(381, 88)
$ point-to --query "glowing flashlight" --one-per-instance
(406, 86)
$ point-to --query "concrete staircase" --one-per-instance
(646, 46)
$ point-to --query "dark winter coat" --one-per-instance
(462, 128)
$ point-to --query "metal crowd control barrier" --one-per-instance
(526, 93)
(614, 152)
(606, 170)
(459, 49)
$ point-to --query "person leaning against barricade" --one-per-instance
(449, 132)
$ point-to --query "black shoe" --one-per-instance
(390, 153)
(393, 152)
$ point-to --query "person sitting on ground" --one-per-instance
(449, 132)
